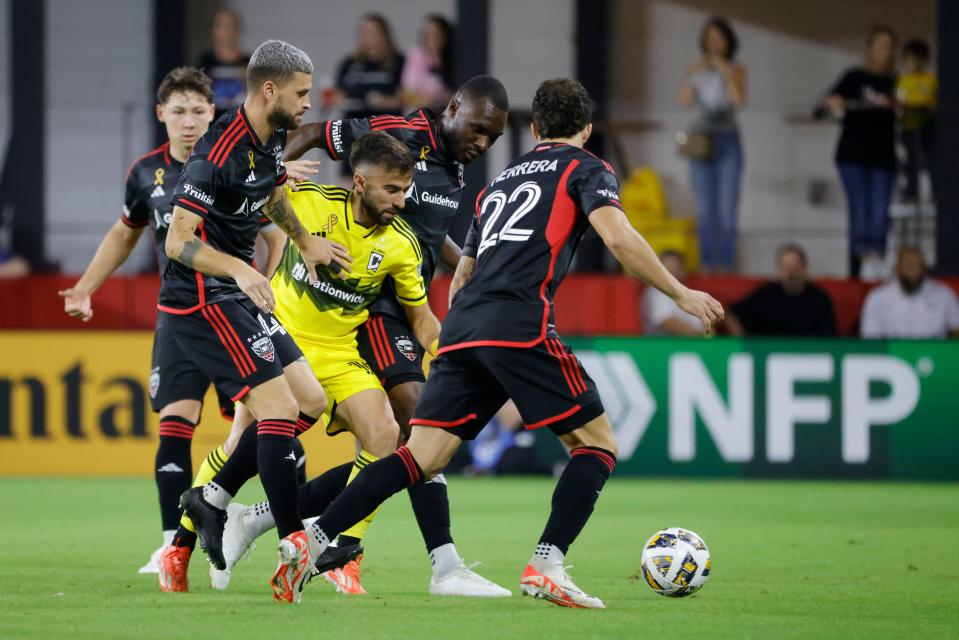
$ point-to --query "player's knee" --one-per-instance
(383, 438)
(313, 403)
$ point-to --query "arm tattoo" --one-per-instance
(282, 214)
(188, 252)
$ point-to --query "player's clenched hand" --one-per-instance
(255, 285)
(76, 303)
(318, 250)
(703, 306)
(299, 170)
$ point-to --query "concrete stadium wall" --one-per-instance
(794, 51)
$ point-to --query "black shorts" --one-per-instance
(389, 346)
(236, 345)
(547, 382)
(174, 377)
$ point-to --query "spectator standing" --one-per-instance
(368, 80)
(428, 72)
(226, 61)
(790, 306)
(661, 315)
(864, 99)
(916, 92)
(910, 305)
(716, 86)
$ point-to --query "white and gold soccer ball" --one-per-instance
(675, 562)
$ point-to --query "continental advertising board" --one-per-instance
(77, 403)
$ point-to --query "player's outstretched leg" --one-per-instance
(246, 524)
(593, 457)
(428, 449)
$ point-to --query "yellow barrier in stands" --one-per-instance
(76, 403)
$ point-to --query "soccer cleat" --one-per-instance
(153, 564)
(335, 558)
(552, 583)
(209, 522)
(294, 567)
(237, 544)
(463, 581)
(174, 563)
(347, 579)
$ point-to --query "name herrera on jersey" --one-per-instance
(526, 168)
(299, 273)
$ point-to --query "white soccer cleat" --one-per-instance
(153, 564)
(237, 544)
(550, 582)
(463, 581)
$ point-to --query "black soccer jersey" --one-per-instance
(227, 180)
(434, 198)
(529, 221)
(149, 195)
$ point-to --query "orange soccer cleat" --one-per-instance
(174, 563)
(347, 579)
(294, 568)
(545, 581)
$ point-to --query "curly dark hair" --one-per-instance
(380, 149)
(183, 79)
(561, 108)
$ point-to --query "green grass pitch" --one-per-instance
(790, 560)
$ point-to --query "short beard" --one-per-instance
(372, 212)
(910, 286)
(280, 118)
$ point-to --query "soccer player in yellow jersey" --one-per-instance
(323, 319)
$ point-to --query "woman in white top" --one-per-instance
(716, 87)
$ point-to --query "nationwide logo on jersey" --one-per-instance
(376, 259)
(405, 346)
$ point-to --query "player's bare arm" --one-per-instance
(275, 240)
(302, 139)
(183, 245)
(450, 254)
(462, 275)
(113, 251)
(639, 259)
(426, 326)
(314, 249)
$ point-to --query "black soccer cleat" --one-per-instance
(209, 523)
(335, 558)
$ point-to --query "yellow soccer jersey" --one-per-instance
(330, 311)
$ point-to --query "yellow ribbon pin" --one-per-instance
(158, 176)
(423, 151)
(250, 156)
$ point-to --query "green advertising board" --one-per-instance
(777, 408)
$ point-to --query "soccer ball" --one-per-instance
(675, 562)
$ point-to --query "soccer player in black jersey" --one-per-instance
(177, 386)
(499, 342)
(441, 145)
(220, 308)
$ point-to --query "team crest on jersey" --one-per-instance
(376, 259)
(263, 347)
(460, 174)
(154, 382)
(405, 346)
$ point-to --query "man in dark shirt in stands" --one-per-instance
(790, 306)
